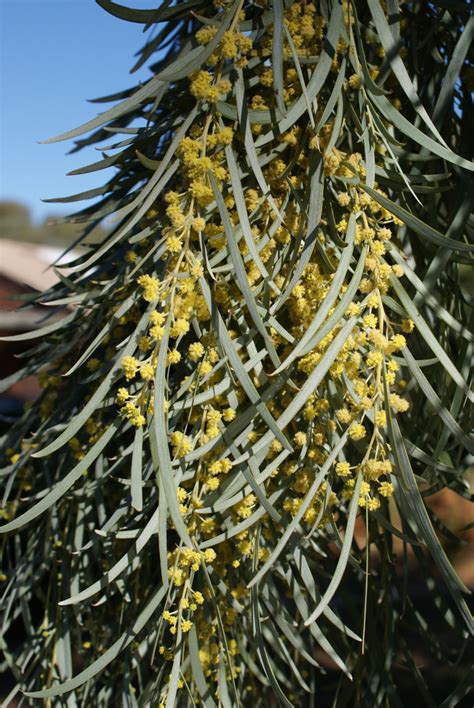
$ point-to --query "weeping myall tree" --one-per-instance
(261, 375)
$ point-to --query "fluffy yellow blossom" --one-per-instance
(195, 351)
(174, 244)
(373, 359)
(209, 555)
(343, 415)
(180, 327)
(300, 439)
(93, 364)
(386, 489)
(198, 223)
(397, 342)
(198, 597)
(130, 366)
(354, 81)
(357, 431)
(197, 271)
(206, 34)
(398, 404)
(122, 395)
(204, 88)
(147, 372)
(229, 415)
(144, 343)
(181, 443)
(173, 356)
(398, 270)
(151, 287)
(157, 318)
(212, 483)
(130, 411)
(343, 469)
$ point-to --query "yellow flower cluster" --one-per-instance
(205, 88)
(211, 297)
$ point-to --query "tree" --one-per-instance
(265, 358)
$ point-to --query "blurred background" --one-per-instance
(55, 54)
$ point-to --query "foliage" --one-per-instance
(269, 349)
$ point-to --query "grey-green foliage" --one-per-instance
(91, 514)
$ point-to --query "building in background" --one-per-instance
(24, 269)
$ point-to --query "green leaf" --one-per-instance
(445, 96)
(42, 331)
(328, 302)
(411, 502)
(98, 396)
(175, 672)
(391, 48)
(240, 272)
(252, 157)
(261, 648)
(296, 61)
(244, 222)
(148, 90)
(316, 82)
(416, 224)
(277, 54)
(198, 673)
(126, 562)
(429, 338)
(408, 129)
(241, 373)
(62, 487)
(343, 556)
(143, 17)
(294, 523)
(159, 445)
(109, 655)
(136, 471)
(435, 401)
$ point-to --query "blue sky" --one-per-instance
(55, 54)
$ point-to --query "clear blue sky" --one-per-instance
(56, 54)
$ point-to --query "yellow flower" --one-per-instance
(173, 356)
(147, 372)
(343, 469)
(174, 244)
(300, 439)
(398, 404)
(209, 555)
(398, 270)
(130, 366)
(151, 287)
(386, 489)
(198, 224)
(212, 483)
(182, 444)
(343, 415)
(357, 431)
(229, 415)
(179, 328)
(186, 625)
(122, 395)
(93, 364)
